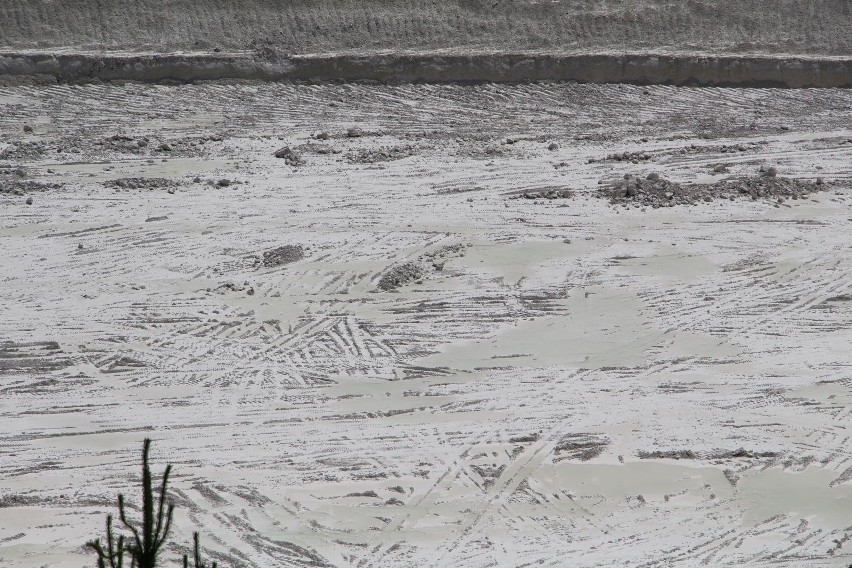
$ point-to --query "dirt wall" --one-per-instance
(793, 72)
(315, 26)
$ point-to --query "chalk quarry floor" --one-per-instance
(569, 383)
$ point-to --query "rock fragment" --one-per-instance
(290, 156)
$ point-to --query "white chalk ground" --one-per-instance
(502, 411)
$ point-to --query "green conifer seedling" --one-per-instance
(113, 556)
(148, 538)
(196, 554)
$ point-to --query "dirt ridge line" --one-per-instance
(633, 68)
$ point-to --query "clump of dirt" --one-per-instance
(719, 149)
(400, 275)
(654, 191)
(124, 144)
(24, 151)
(73, 145)
(687, 454)
(383, 154)
(145, 145)
(182, 146)
(740, 453)
(667, 454)
(445, 251)
(284, 254)
(547, 193)
(20, 187)
(482, 151)
(290, 156)
(263, 51)
(13, 171)
(416, 269)
(13, 500)
(488, 473)
(141, 183)
(226, 287)
(734, 148)
(516, 139)
(583, 447)
(316, 148)
(768, 186)
(634, 157)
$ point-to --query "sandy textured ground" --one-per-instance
(567, 384)
(816, 27)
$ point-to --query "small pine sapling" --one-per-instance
(147, 539)
(113, 556)
(196, 554)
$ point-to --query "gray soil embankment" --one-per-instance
(812, 27)
(681, 69)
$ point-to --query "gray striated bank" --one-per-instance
(641, 68)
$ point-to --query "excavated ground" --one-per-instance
(432, 339)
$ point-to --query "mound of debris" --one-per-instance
(581, 446)
(316, 148)
(667, 455)
(400, 275)
(732, 149)
(180, 146)
(290, 156)
(20, 187)
(721, 149)
(383, 154)
(768, 185)
(654, 191)
(147, 145)
(24, 151)
(284, 254)
(141, 183)
(437, 259)
(124, 144)
(545, 193)
(687, 454)
(414, 270)
(634, 157)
